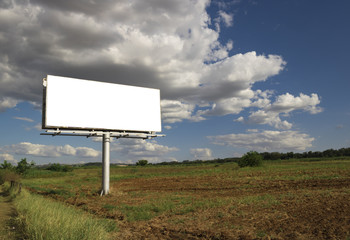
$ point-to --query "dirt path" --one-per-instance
(7, 211)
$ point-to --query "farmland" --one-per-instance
(294, 199)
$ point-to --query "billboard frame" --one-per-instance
(106, 135)
(46, 124)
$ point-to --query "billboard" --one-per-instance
(70, 103)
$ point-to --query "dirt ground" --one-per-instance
(220, 206)
(284, 209)
(308, 209)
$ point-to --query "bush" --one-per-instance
(23, 166)
(142, 163)
(250, 159)
(6, 165)
(8, 176)
(59, 168)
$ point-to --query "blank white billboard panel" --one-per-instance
(71, 103)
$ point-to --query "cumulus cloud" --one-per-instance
(136, 149)
(7, 157)
(40, 150)
(286, 103)
(175, 111)
(270, 113)
(171, 45)
(266, 140)
(270, 118)
(163, 44)
(201, 153)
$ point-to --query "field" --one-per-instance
(280, 200)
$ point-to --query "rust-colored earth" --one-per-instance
(224, 206)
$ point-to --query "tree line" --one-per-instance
(342, 152)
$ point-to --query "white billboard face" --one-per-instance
(82, 104)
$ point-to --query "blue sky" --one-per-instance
(234, 76)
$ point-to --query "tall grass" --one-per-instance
(42, 219)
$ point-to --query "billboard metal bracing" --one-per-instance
(71, 103)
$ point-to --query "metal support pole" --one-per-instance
(105, 163)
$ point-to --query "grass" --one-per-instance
(202, 195)
(43, 218)
(170, 205)
(265, 200)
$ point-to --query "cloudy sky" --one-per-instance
(234, 76)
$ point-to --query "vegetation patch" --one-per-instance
(281, 199)
(250, 159)
(46, 219)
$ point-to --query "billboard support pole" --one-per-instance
(106, 140)
(105, 162)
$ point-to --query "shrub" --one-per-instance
(8, 176)
(142, 163)
(6, 165)
(250, 159)
(59, 168)
(23, 166)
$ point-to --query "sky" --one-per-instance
(234, 76)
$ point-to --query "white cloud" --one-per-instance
(270, 118)
(24, 119)
(40, 150)
(226, 18)
(286, 103)
(7, 102)
(86, 152)
(228, 106)
(176, 111)
(7, 157)
(201, 153)
(270, 113)
(266, 140)
(136, 149)
(168, 45)
(38, 126)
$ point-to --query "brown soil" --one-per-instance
(251, 208)
(307, 209)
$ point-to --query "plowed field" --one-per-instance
(280, 200)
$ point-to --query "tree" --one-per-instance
(23, 166)
(250, 159)
(142, 163)
(59, 168)
(6, 165)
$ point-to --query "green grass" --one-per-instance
(43, 173)
(43, 218)
(265, 200)
(170, 205)
(87, 182)
(211, 205)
